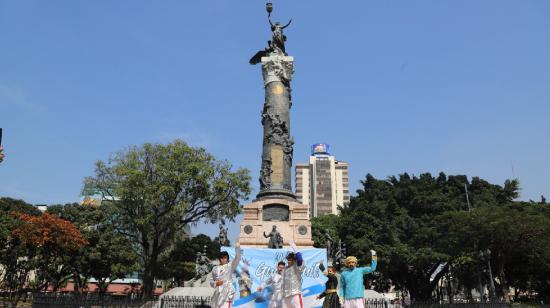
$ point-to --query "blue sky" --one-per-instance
(393, 86)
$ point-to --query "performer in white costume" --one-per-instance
(222, 279)
(276, 282)
(292, 279)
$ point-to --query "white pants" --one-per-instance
(293, 301)
(354, 303)
(273, 303)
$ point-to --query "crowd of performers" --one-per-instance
(286, 282)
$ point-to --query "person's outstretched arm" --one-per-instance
(322, 268)
(372, 267)
(266, 283)
(237, 257)
(299, 259)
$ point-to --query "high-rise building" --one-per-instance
(323, 183)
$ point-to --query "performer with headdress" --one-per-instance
(292, 279)
(330, 295)
(222, 279)
(352, 289)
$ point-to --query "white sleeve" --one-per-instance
(214, 277)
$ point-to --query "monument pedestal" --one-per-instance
(289, 216)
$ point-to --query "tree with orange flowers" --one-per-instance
(108, 256)
(36, 242)
(53, 241)
(15, 264)
(48, 232)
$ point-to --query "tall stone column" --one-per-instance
(275, 173)
(276, 207)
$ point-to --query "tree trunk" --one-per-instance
(102, 285)
(149, 273)
(503, 284)
(150, 267)
(148, 281)
(449, 285)
(77, 286)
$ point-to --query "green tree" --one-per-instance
(516, 234)
(108, 256)
(426, 228)
(50, 241)
(160, 189)
(322, 225)
(178, 262)
(16, 261)
(399, 218)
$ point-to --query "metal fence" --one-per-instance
(41, 300)
(6, 299)
(183, 302)
(383, 303)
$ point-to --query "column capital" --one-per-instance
(277, 68)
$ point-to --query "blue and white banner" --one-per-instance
(258, 264)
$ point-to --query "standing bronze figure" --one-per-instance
(275, 239)
(278, 39)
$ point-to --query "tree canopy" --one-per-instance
(427, 228)
(159, 189)
(108, 256)
(34, 241)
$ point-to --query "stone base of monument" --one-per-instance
(290, 217)
(201, 282)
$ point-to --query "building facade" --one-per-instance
(323, 183)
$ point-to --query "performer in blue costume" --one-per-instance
(352, 289)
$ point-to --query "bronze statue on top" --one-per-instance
(278, 39)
